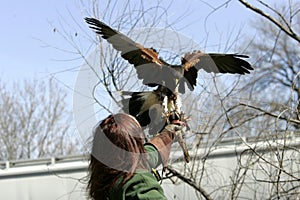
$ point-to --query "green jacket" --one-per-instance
(143, 185)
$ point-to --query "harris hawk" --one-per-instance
(169, 80)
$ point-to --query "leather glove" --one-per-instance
(175, 129)
(164, 140)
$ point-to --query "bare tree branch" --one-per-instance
(288, 30)
(189, 182)
(271, 114)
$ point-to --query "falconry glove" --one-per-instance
(164, 140)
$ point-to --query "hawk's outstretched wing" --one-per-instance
(212, 62)
(146, 61)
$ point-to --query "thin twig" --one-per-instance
(190, 182)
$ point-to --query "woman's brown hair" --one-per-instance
(118, 150)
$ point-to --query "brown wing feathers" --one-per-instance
(217, 63)
(135, 53)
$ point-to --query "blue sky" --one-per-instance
(29, 46)
(28, 25)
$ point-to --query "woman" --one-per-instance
(120, 162)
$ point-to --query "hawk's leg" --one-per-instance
(177, 103)
(176, 116)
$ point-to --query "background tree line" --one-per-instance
(36, 120)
